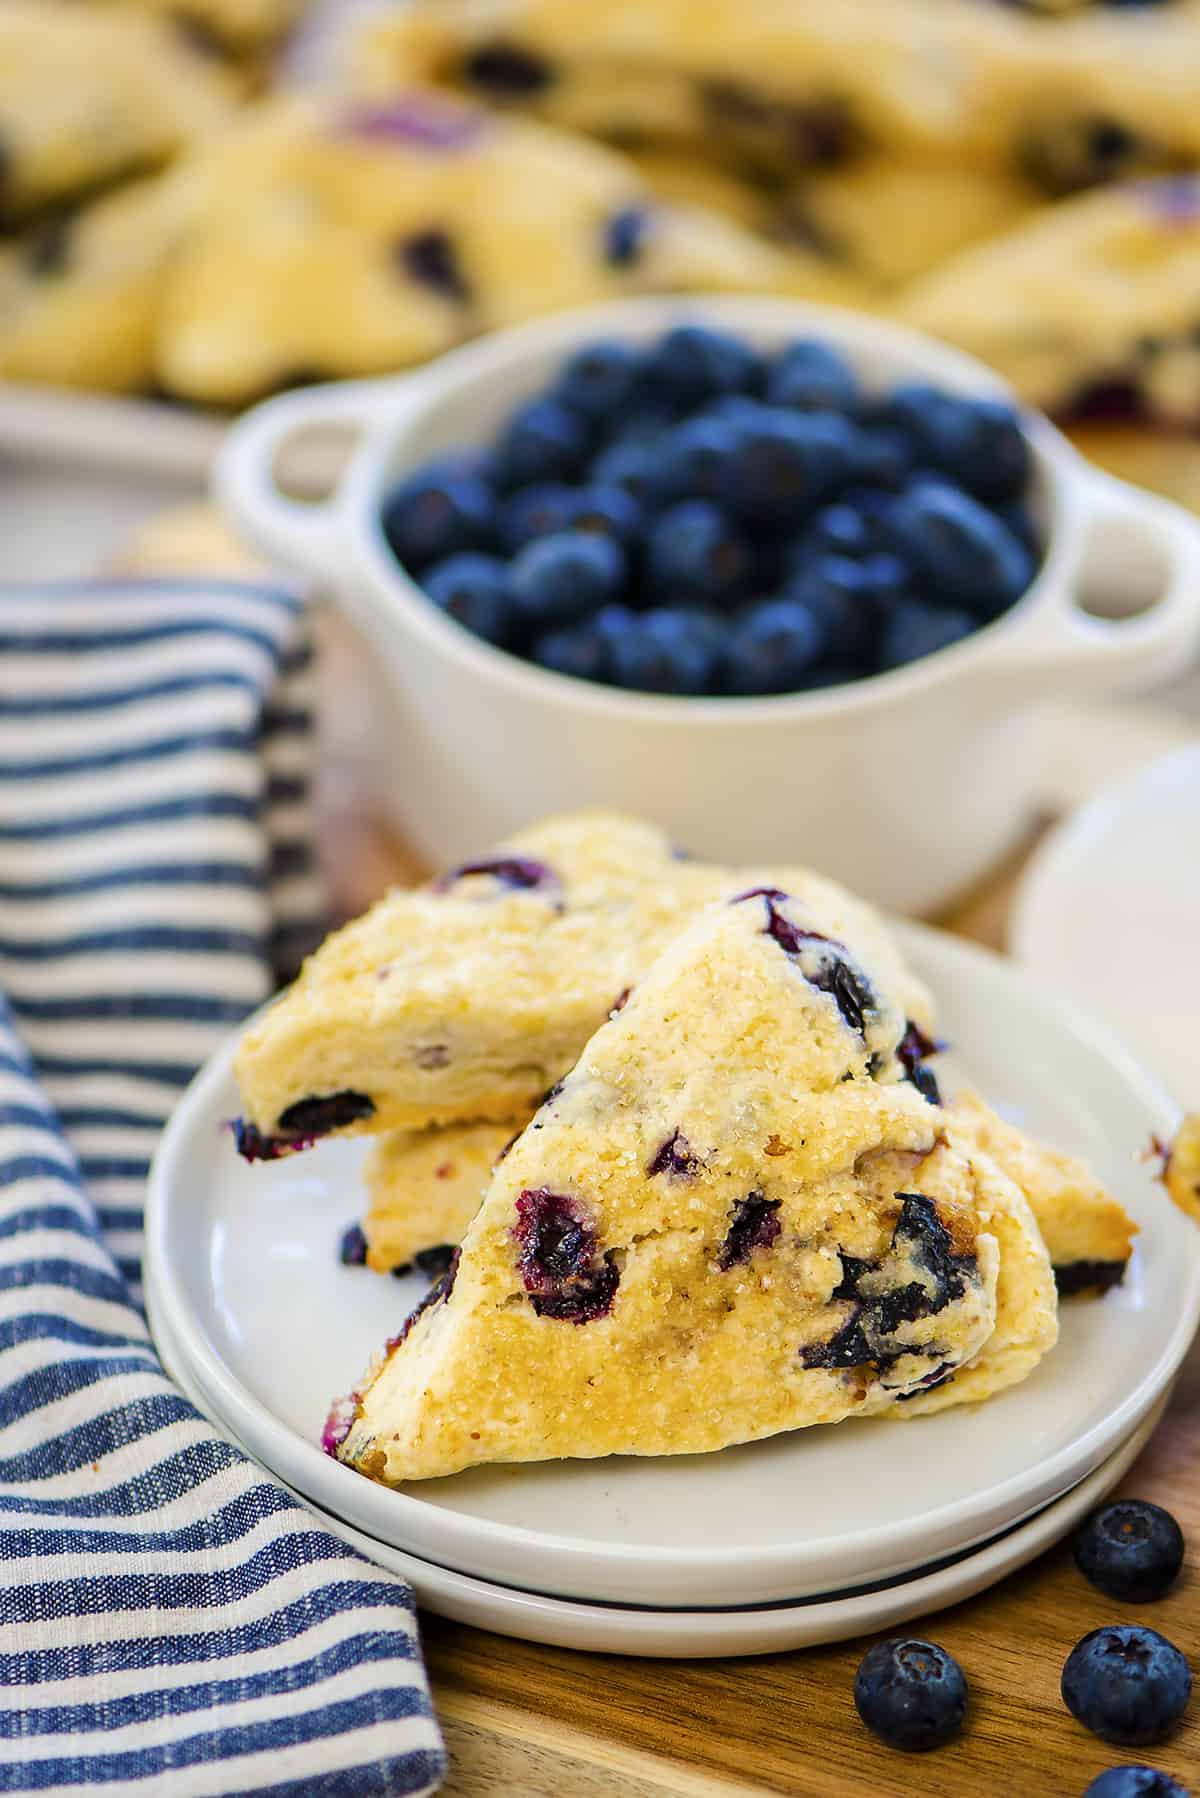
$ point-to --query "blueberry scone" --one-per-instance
(346, 238)
(81, 293)
(1088, 1234)
(466, 999)
(1069, 102)
(732, 1218)
(1089, 309)
(1181, 1166)
(425, 1186)
(88, 94)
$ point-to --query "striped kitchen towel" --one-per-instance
(170, 1619)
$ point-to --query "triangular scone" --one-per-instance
(353, 238)
(1088, 1234)
(468, 998)
(1090, 308)
(425, 1186)
(734, 1217)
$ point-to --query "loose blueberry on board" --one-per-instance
(857, 531)
(563, 577)
(473, 589)
(1130, 1549)
(434, 515)
(910, 1693)
(1135, 1782)
(1127, 1684)
(543, 441)
(695, 554)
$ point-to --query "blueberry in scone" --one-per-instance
(599, 1307)
(467, 999)
(89, 94)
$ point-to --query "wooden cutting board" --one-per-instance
(531, 1722)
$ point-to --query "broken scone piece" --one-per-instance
(735, 1216)
(1181, 1166)
(467, 999)
(425, 1186)
(1088, 1235)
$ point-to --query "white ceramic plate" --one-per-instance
(243, 1264)
(1109, 909)
(693, 1635)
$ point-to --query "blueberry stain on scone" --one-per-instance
(912, 1051)
(754, 1224)
(558, 1261)
(918, 1278)
(824, 962)
(438, 1293)
(301, 1124)
(625, 236)
(674, 1157)
(519, 873)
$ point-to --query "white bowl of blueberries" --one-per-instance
(793, 580)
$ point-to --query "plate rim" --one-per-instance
(385, 1512)
(1029, 1537)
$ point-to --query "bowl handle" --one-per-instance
(300, 534)
(1123, 532)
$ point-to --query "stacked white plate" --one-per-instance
(806, 1538)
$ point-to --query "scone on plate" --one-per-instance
(236, 25)
(734, 1217)
(425, 1186)
(346, 237)
(1181, 1166)
(468, 998)
(1088, 309)
(1088, 1234)
(92, 93)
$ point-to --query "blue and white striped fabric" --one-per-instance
(170, 1620)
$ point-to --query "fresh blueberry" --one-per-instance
(695, 458)
(883, 459)
(845, 598)
(1130, 1549)
(646, 421)
(1135, 1782)
(578, 649)
(738, 409)
(474, 590)
(911, 1694)
(979, 443)
(957, 548)
(610, 511)
(632, 466)
(773, 648)
(841, 530)
(535, 511)
(810, 376)
(787, 464)
(694, 363)
(694, 553)
(1019, 521)
(668, 650)
(563, 577)
(429, 516)
(599, 378)
(1127, 1684)
(543, 441)
(912, 629)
